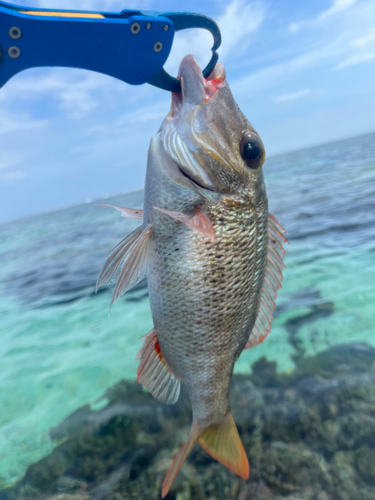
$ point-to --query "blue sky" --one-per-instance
(303, 73)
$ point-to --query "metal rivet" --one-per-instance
(15, 33)
(14, 52)
(166, 27)
(148, 26)
(135, 29)
(158, 46)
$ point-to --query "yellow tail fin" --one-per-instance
(221, 441)
(224, 444)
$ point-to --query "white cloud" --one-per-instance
(337, 6)
(147, 114)
(11, 159)
(12, 123)
(294, 96)
(239, 20)
(363, 41)
(14, 176)
(294, 27)
(361, 57)
(364, 51)
(237, 23)
(72, 89)
(332, 46)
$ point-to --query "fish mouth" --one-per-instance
(180, 139)
(194, 87)
(195, 182)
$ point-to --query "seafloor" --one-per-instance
(309, 435)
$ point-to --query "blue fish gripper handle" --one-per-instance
(131, 46)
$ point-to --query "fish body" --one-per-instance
(204, 295)
(212, 255)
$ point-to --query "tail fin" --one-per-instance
(224, 444)
(221, 441)
(180, 458)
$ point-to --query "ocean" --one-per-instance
(60, 349)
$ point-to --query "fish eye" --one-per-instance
(252, 150)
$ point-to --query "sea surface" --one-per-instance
(60, 349)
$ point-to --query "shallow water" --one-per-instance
(60, 350)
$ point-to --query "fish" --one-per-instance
(212, 255)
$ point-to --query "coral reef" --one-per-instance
(309, 435)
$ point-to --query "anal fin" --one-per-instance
(154, 373)
(271, 282)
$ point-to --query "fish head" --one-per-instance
(213, 145)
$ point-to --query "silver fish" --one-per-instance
(212, 255)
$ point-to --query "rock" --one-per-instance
(45, 474)
(288, 467)
(309, 435)
(356, 429)
(66, 496)
(66, 484)
(344, 358)
(264, 373)
(365, 460)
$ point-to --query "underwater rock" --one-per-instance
(365, 461)
(288, 467)
(293, 325)
(309, 435)
(357, 357)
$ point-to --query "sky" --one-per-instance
(302, 72)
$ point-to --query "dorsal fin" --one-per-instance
(272, 280)
(154, 373)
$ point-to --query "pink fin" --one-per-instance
(197, 221)
(134, 267)
(271, 282)
(115, 258)
(128, 213)
(154, 373)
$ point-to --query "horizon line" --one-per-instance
(275, 155)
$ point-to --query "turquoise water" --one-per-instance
(60, 349)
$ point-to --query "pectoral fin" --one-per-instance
(135, 264)
(197, 221)
(128, 213)
(132, 255)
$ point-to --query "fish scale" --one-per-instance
(205, 325)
